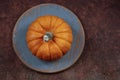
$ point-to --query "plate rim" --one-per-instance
(28, 65)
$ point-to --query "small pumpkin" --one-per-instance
(49, 37)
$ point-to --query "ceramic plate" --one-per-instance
(20, 45)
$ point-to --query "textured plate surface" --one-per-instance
(20, 45)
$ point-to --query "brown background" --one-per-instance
(100, 59)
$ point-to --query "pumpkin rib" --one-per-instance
(42, 27)
(56, 24)
(35, 31)
(40, 22)
(65, 36)
(43, 52)
(44, 22)
(30, 32)
(49, 21)
(31, 35)
(56, 53)
(64, 39)
(35, 49)
(59, 48)
(35, 25)
(63, 32)
(49, 52)
(33, 44)
(39, 40)
(64, 48)
(38, 45)
(63, 27)
(33, 39)
(53, 18)
(37, 54)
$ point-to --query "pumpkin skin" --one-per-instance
(55, 47)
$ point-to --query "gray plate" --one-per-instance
(20, 45)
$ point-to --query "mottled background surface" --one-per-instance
(100, 59)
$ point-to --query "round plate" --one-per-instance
(20, 44)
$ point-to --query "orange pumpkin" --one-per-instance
(49, 37)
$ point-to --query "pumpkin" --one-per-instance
(49, 37)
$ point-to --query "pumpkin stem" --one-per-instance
(48, 36)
